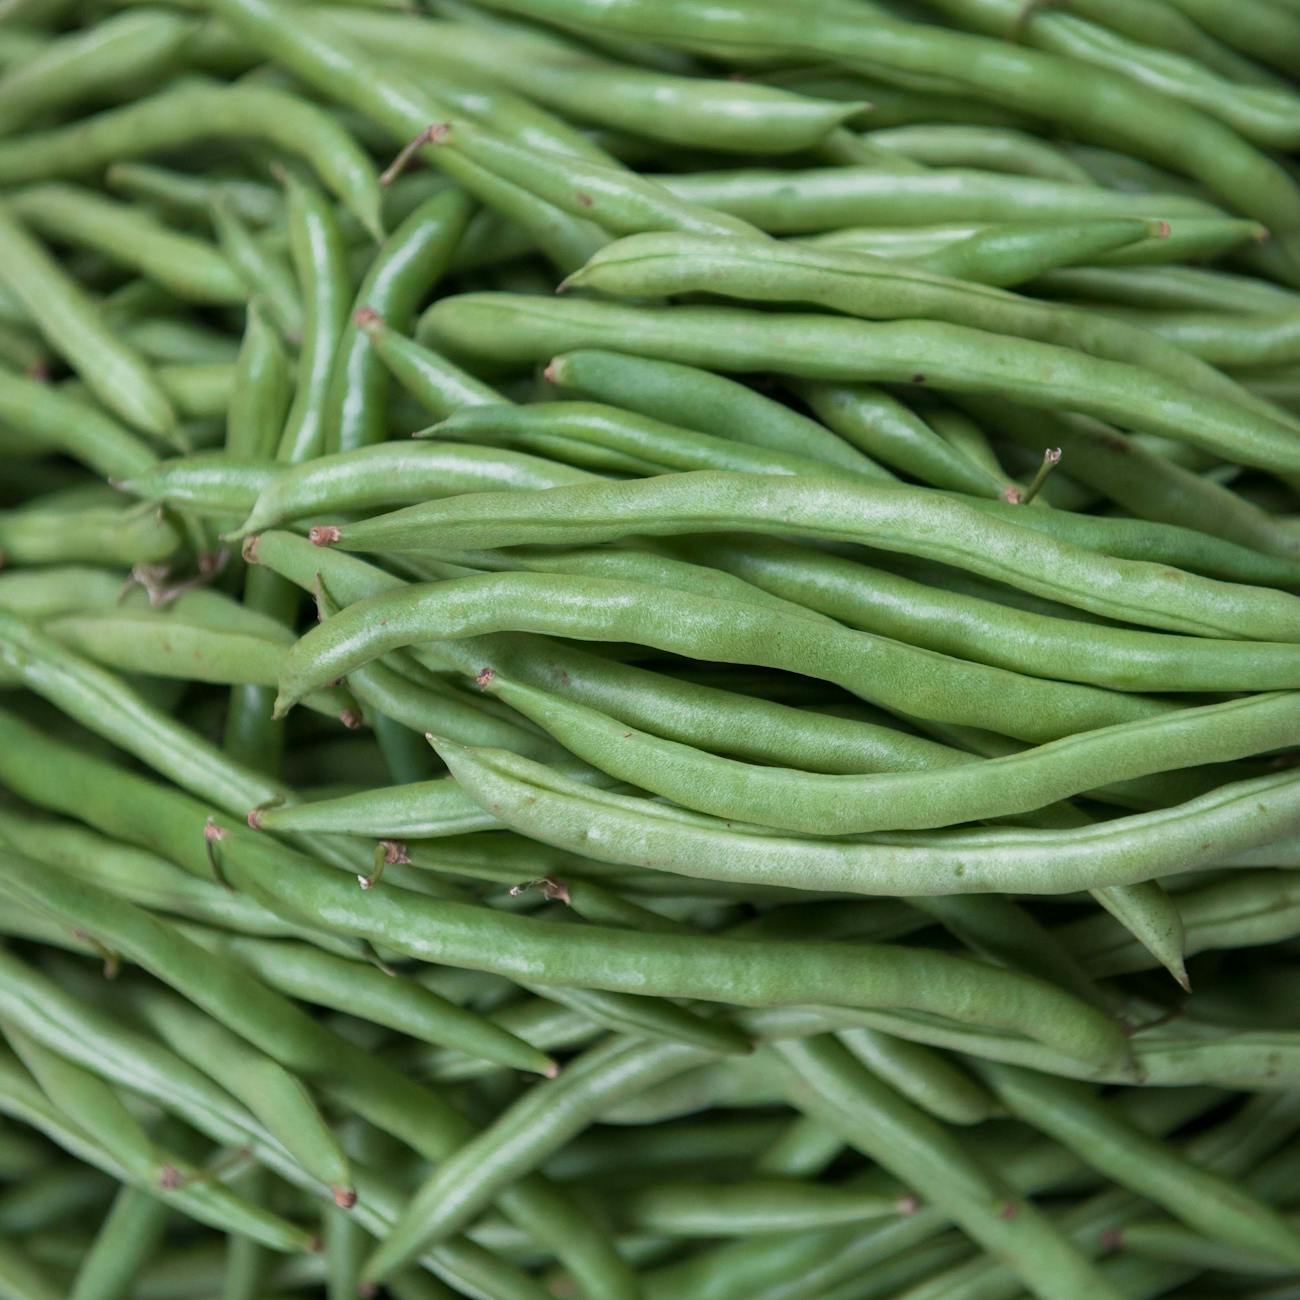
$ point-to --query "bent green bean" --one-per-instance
(893, 518)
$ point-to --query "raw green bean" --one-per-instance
(261, 393)
(593, 432)
(439, 386)
(267, 278)
(96, 534)
(832, 198)
(176, 118)
(695, 399)
(318, 257)
(400, 278)
(271, 1093)
(128, 1238)
(842, 805)
(688, 111)
(76, 428)
(387, 474)
(999, 149)
(893, 518)
(858, 284)
(925, 1078)
(529, 798)
(1103, 105)
(826, 1082)
(189, 268)
(301, 971)
(1205, 1201)
(67, 318)
(327, 59)
(892, 673)
(85, 63)
(213, 484)
(519, 329)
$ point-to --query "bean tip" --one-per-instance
(552, 1070)
(366, 316)
(325, 535)
(484, 678)
(551, 373)
(249, 548)
(344, 1197)
(254, 819)
(352, 719)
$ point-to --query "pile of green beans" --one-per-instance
(783, 523)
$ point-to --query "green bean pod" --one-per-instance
(690, 111)
(189, 268)
(904, 677)
(529, 798)
(403, 272)
(265, 274)
(214, 484)
(85, 63)
(857, 284)
(892, 518)
(386, 474)
(111, 369)
(261, 392)
(817, 804)
(176, 118)
(127, 1240)
(594, 430)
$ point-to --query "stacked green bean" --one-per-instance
(650, 650)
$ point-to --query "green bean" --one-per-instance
(705, 716)
(925, 1078)
(432, 705)
(989, 147)
(212, 484)
(743, 118)
(1103, 105)
(1225, 339)
(189, 268)
(857, 284)
(1008, 253)
(1205, 1201)
(261, 393)
(521, 329)
(96, 534)
(399, 279)
(1265, 115)
(189, 195)
(695, 399)
(146, 879)
(63, 423)
(198, 391)
(520, 1139)
(274, 1095)
(825, 1081)
(605, 437)
(68, 320)
(179, 117)
(617, 200)
(267, 278)
(328, 60)
(301, 971)
(1258, 907)
(270, 1092)
(437, 384)
(170, 340)
(1144, 482)
(1167, 288)
(163, 644)
(84, 63)
(388, 474)
(895, 674)
(1127, 850)
(840, 805)
(127, 1239)
(318, 257)
(210, 1202)
(827, 199)
(871, 419)
(893, 518)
